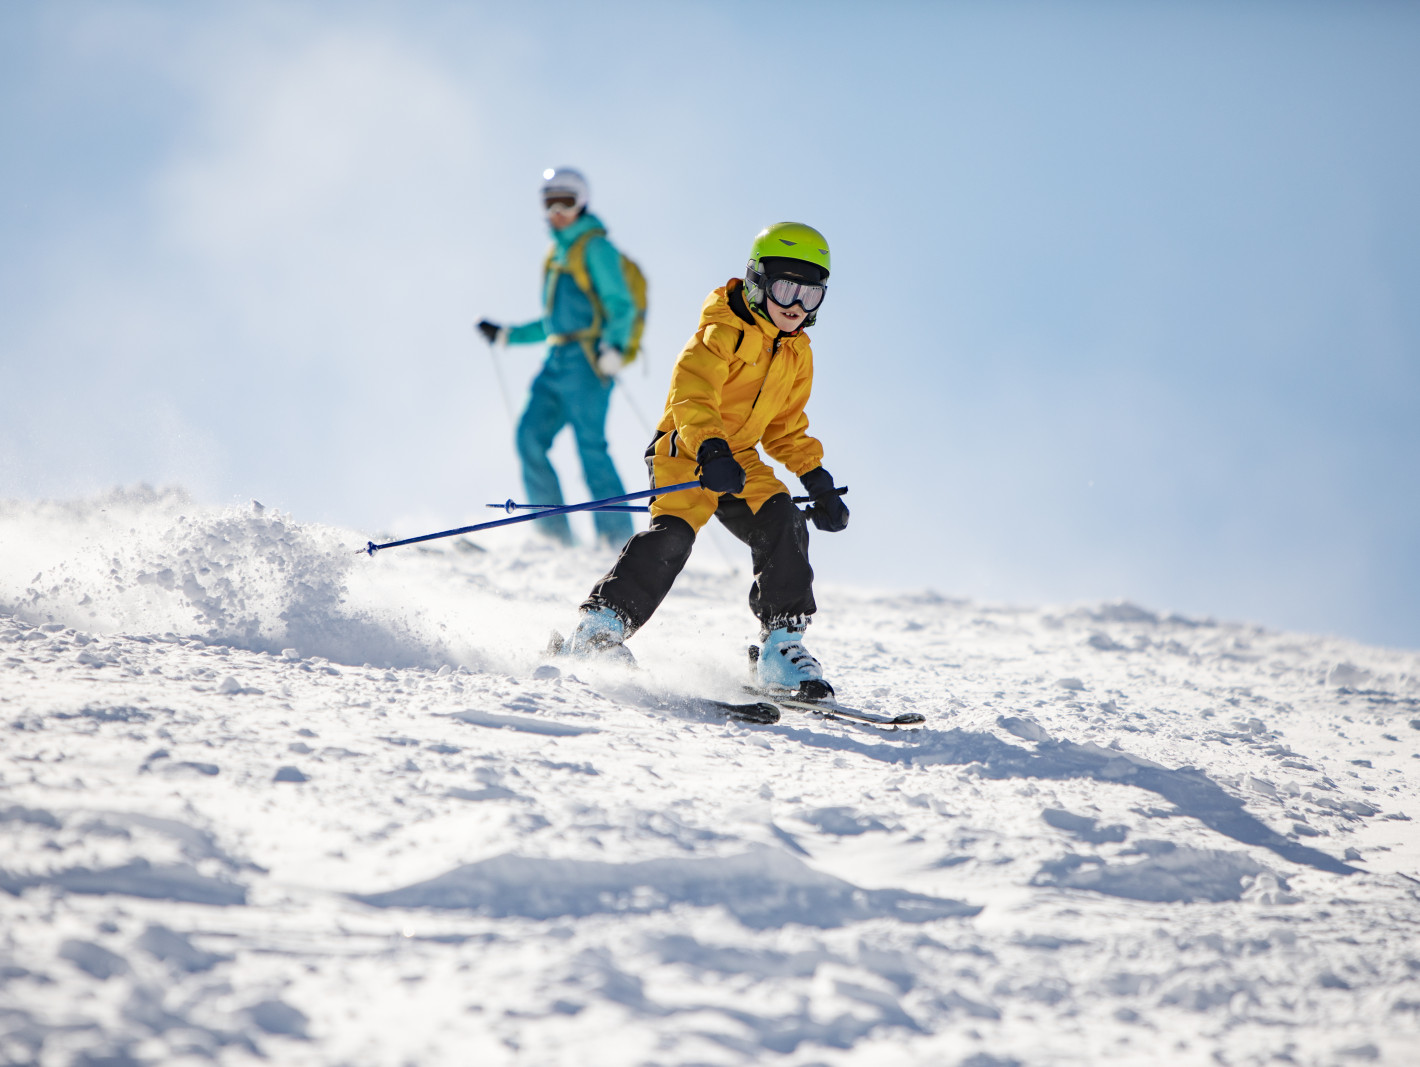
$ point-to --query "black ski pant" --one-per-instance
(778, 540)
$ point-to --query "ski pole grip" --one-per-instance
(837, 491)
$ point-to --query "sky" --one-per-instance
(1123, 302)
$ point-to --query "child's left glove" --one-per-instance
(827, 512)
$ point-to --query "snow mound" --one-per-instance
(1173, 874)
(177, 882)
(155, 562)
(762, 888)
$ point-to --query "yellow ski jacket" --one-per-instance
(742, 382)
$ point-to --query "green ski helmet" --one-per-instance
(786, 250)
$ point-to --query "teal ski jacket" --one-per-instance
(566, 309)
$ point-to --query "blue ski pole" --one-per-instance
(509, 506)
(591, 505)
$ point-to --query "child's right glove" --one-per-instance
(719, 472)
(827, 512)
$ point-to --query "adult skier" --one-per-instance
(587, 320)
(741, 381)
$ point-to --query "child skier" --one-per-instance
(741, 381)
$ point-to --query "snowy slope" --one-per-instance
(260, 796)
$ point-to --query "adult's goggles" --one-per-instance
(559, 203)
(786, 293)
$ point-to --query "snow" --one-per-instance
(262, 796)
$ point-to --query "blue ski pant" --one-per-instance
(567, 391)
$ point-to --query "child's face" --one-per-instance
(787, 319)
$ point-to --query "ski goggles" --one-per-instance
(559, 202)
(786, 293)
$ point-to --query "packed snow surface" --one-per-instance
(262, 797)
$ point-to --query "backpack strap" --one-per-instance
(574, 262)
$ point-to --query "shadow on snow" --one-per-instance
(1191, 791)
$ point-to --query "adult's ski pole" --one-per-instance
(502, 385)
(591, 505)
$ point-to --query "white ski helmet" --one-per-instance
(565, 181)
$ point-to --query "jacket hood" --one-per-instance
(724, 306)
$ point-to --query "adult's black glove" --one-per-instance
(719, 472)
(827, 512)
(490, 331)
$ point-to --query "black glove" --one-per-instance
(489, 330)
(828, 512)
(718, 470)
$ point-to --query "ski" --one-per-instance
(831, 709)
(765, 709)
(761, 712)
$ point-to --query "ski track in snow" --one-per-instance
(263, 797)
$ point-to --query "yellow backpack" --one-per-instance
(575, 264)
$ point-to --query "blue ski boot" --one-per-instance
(781, 662)
(601, 635)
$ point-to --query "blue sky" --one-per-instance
(1124, 300)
